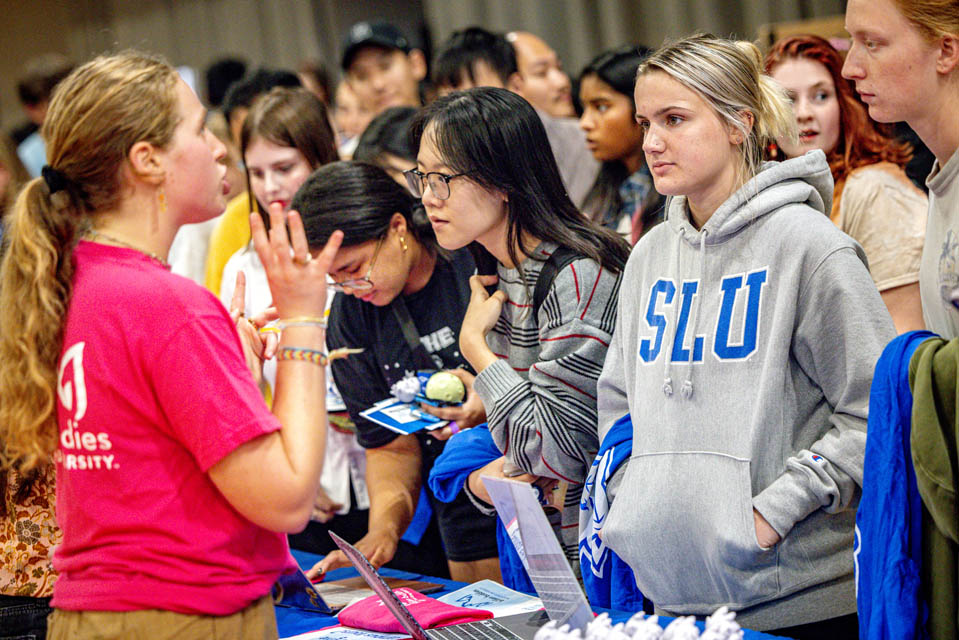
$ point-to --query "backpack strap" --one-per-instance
(556, 262)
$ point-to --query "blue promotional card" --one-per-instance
(401, 417)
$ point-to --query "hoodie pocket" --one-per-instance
(684, 523)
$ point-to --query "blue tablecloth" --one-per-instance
(291, 622)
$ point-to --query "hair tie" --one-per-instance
(56, 180)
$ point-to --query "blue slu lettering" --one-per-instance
(649, 349)
(731, 286)
(680, 352)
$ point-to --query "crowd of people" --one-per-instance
(695, 253)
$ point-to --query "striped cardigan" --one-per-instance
(540, 396)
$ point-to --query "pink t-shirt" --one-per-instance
(152, 391)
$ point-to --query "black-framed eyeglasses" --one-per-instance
(439, 182)
(360, 284)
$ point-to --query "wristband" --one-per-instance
(301, 321)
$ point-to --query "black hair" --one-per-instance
(456, 59)
(220, 75)
(359, 199)
(389, 132)
(243, 93)
(497, 138)
(617, 68)
(40, 77)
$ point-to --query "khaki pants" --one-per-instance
(256, 622)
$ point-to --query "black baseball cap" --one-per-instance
(380, 34)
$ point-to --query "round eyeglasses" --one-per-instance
(439, 182)
(359, 284)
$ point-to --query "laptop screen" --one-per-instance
(414, 628)
(536, 544)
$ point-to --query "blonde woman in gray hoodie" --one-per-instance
(748, 331)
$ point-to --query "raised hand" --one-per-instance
(297, 279)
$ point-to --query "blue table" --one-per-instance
(291, 622)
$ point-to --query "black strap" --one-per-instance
(421, 358)
(559, 259)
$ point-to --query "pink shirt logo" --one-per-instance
(85, 447)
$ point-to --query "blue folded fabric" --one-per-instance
(608, 580)
(421, 520)
(888, 545)
(465, 452)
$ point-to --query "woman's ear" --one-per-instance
(146, 162)
(398, 224)
(736, 135)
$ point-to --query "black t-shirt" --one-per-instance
(364, 379)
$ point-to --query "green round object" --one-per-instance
(445, 387)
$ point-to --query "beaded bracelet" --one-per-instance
(316, 356)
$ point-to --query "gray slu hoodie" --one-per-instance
(744, 353)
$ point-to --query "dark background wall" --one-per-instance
(283, 32)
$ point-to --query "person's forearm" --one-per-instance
(300, 405)
(393, 479)
(281, 499)
(904, 307)
(477, 352)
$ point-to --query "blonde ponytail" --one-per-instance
(34, 287)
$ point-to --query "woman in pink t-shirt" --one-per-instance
(137, 383)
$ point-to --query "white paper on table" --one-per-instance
(347, 633)
(493, 597)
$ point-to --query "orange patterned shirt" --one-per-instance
(28, 535)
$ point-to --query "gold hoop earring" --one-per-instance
(402, 240)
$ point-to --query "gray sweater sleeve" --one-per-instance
(843, 328)
(546, 424)
(612, 401)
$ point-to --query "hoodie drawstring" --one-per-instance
(667, 380)
(687, 388)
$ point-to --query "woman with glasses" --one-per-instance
(405, 302)
(286, 136)
(488, 180)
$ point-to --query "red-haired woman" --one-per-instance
(873, 200)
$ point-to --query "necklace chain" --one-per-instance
(93, 234)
